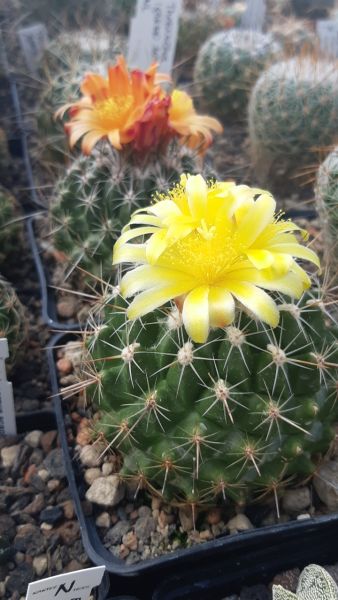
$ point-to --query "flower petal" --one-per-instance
(195, 314)
(221, 307)
(154, 298)
(197, 189)
(261, 259)
(255, 301)
(256, 219)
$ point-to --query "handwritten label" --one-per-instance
(33, 42)
(71, 586)
(327, 31)
(153, 34)
(7, 412)
(254, 16)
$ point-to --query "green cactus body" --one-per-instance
(242, 413)
(12, 320)
(327, 206)
(228, 65)
(315, 583)
(293, 112)
(96, 198)
(10, 228)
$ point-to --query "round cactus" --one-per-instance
(10, 228)
(96, 197)
(239, 415)
(293, 112)
(295, 36)
(227, 66)
(327, 206)
(12, 320)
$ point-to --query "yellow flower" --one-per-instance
(211, 246)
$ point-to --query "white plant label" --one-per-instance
(33, 42)
(7, 412)
(70, 586)
(153, 34)
(254, 16)
(327, 31)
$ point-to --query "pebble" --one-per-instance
(7, 526)
(239, 523)
(47, 440)
(91, 474)
(186, 518)
(326, 483)
(103, 520)
(36, 505)
(165, 519)
(66, 307)
(69, 532)
(144, 511)
(288, 580)
(46, 526)
(68, 509)
(107, 468)
(9, 455)
(52, 515)
(115, 534)
(40, 564)
(43, 474)
(129, 540)
(214, 516)
(19, 579)
(54, 464)
(64, 366)
(106, 491)
(33, 438)
(53, 484)
(90, 456)
(296, 500)
(144, 527)
(30, 540)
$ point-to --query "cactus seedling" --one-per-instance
(315, 583)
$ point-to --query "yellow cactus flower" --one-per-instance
(211, 246)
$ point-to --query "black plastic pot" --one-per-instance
(222, 565)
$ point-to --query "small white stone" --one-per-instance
(46, 526)
(92, 474)
(106, 491)
(296, 500)
(40, 564)
(2, 589)
(239, 523)
(33, 438)
(303, 517)
(9, 455)
(103, 520)
(90, 456)
(53, 484)
(43, 474)
(107, 468)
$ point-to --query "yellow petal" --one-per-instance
(146, 277)
(221, 307)
(256, 219)
(195, 314)
(297, 251)
(197, 193)
(129, 253)
(129, 234)
(154, 298)
(156, 245)
(261, 259)
(256, 301)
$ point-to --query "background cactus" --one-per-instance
(239, 415)
(227, 67)
(293, 112)
(313, 9)
(96, 197)
(10, 227)
(315, 583)
(327, 206)
(12, 320)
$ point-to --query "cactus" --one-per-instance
(227, 66)
(10, 228)
(12, 320)
(96, 197)
(4, 152)
(312, 9)
(236, 416)
(327, 206)
(293, 112)
(315, 583)
(295, 36)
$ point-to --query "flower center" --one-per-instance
(113, 111)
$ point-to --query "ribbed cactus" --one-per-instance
(10, 228)
(295, 36)
(327, 206)
(315, 583)
(12, 320)
(237, 416)
(95, 198)
(228, 65)
(293, 112)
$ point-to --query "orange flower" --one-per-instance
(195, 130)
(111, 107)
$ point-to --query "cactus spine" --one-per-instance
(12, 320)
(293, 112)
(228, 65)
(315, 583)
(10, 229)
(327, 206)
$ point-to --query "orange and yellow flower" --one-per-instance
(129, 108)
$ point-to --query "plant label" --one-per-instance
(254, 15)
(33, 42)
(71, 586)
(327, 32)
(7, 412)
(153, 34)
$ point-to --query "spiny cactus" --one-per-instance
(4, 152)
(10, 227)
(227, 66)
(326, 194)
(295, 36)
(12, 320)
(315, 583)
(96, 197)
(312, 9)
(239, 415)
(293, 112)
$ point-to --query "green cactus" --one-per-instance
(10, 227)
(228, 65)
(96, 197)
(293, 112)
(12, 320)
(326, 194)
(295, 36)
(4, 152)
(237, 416)
(315, 583)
